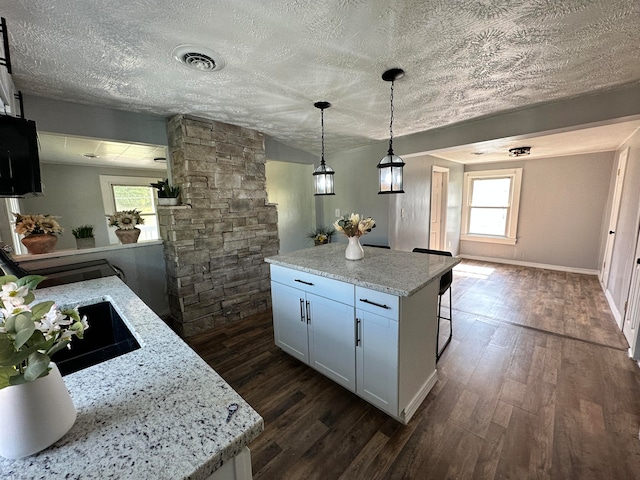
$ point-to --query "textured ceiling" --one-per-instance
(463, 59)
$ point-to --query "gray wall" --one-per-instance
(142, 264)
(73, 193)
(412, 230)
(68, 118)
(290, 186)
(562, 211)
(624, 246)
(356, 187)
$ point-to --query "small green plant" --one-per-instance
(322, 235)
(83, 231)
(165, 189)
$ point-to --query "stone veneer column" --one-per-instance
(216, 242)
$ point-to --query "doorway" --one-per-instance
(613, 219)
(438, 220)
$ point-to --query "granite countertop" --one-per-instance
(158, 412)
(391, 271)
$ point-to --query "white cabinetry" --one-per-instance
(377, 348)
(317, 328)
(378, 345)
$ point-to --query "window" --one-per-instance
(490, 205)
(128, 193)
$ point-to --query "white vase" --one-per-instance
(34, 415)
(354, 250)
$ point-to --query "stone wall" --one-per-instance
(216, 242)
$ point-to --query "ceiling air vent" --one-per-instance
(198, 58)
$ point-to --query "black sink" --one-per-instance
(107, 337)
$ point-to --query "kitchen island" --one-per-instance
(157, 412)
(369, 325)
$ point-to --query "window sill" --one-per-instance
(488, 239)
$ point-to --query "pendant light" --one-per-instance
(390, 167)
(323, 175)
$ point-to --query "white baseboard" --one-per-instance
(419, 398)
(614, 310)
(560, 268)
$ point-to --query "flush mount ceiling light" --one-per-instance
(198, 58)
(390, 167)
(323, 175)
(519, 151)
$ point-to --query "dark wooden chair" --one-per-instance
(445, 284)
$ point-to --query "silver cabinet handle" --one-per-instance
(308, 313)
(358, 336)
(302, 310)
(375, 304)
(302, 281)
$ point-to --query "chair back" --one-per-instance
(447, 278)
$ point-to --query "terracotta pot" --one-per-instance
(128, 236)
(34, 415)
(40, 243)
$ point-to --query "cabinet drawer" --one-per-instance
(377, 302)
(325, 287)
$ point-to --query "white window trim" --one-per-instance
(108, 201)
(514, 205)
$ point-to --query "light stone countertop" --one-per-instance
(391, 271)
(158, 412)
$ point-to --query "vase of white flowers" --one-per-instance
(354, 227)
(36, 409)
(39, 232)
(125, 222)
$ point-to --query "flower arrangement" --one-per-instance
(125, 219)
(29, 335)
(354, 226)
(322, 235)
(37, 224)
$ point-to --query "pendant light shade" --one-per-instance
(323, 175)
(390, 167)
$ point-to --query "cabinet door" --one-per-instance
(377, 360)
(332, 340)
(289, 321)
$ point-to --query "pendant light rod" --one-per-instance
(392, 75)
(322, 106)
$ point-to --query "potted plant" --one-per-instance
(125, 222)
(35, 406)
(167, 193)
(39, 232)
(322, 235)
(84, 236)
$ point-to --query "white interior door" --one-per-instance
(632, 314)
(438, 221)
(613, 219)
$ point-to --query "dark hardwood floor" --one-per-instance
(535, 384)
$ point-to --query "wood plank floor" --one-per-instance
(536, 384)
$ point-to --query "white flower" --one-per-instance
(13, 294)
(9, 310)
